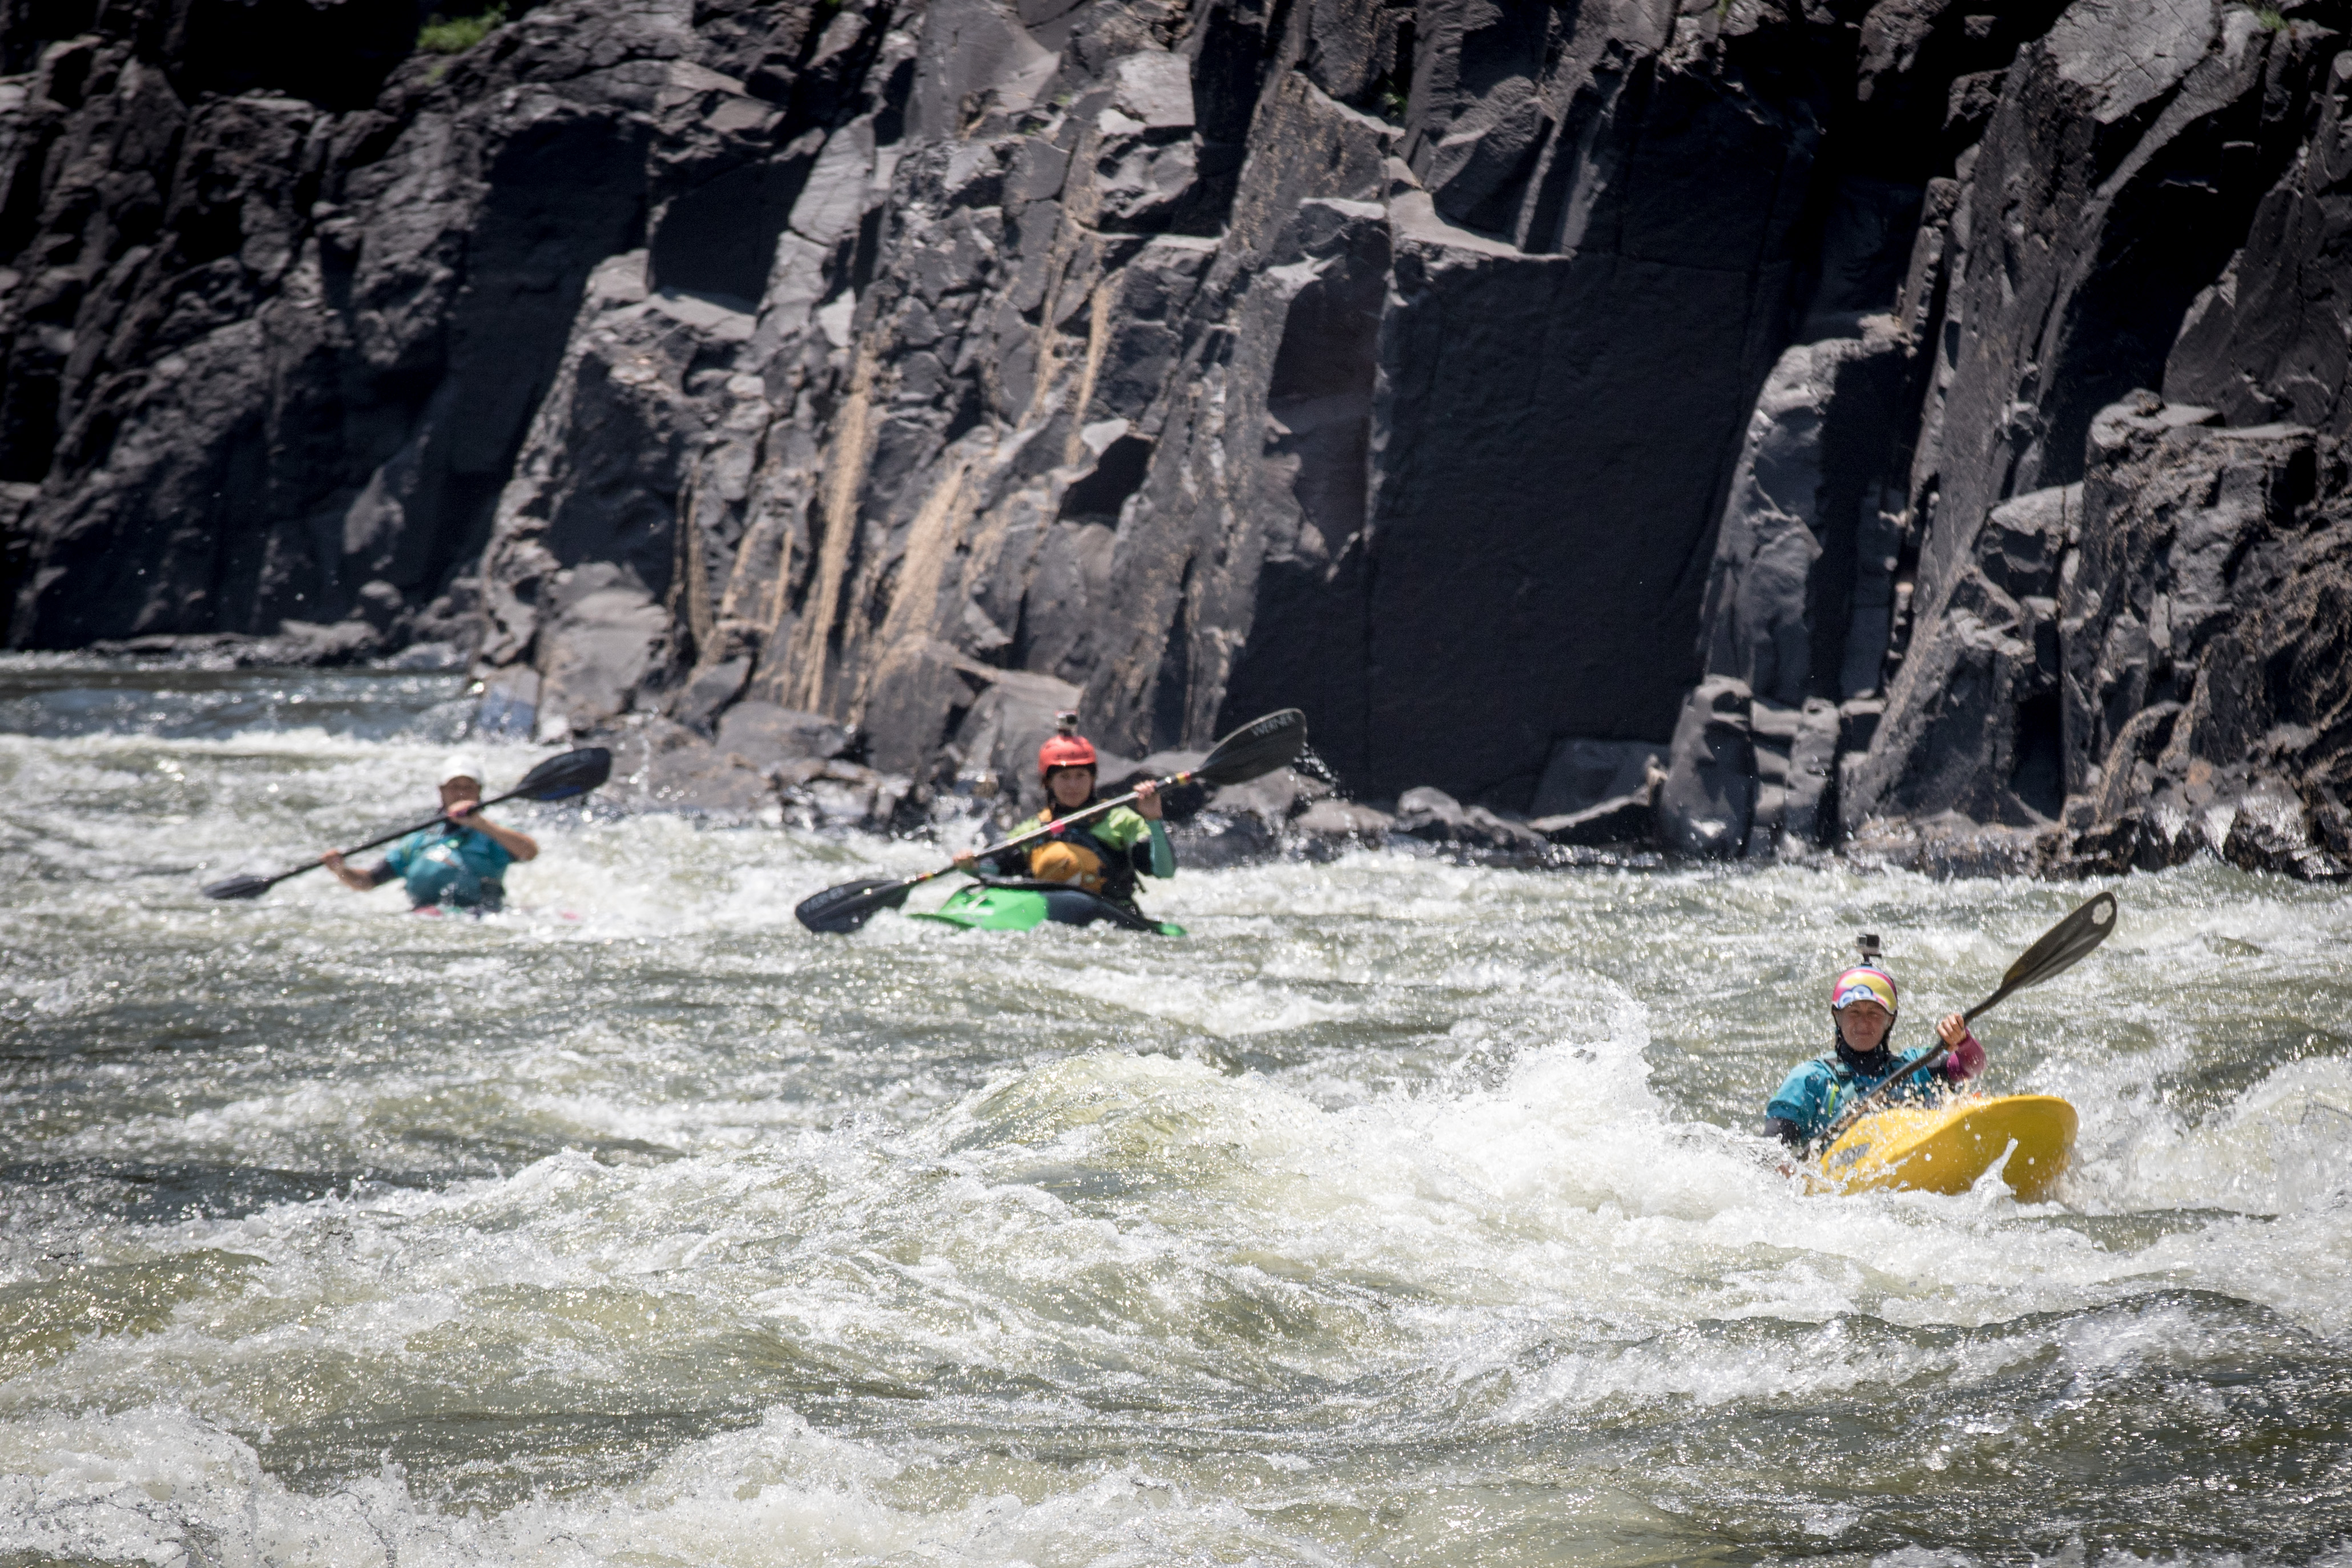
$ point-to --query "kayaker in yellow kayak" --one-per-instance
(1863, 1006)
(1102, 854)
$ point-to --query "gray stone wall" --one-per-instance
(1662, 419)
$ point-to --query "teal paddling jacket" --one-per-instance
(445, 863)
(1811, 1097)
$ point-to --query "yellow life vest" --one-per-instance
(1058, 859)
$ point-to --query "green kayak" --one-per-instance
(1026, 905)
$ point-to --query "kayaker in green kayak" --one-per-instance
(1862, 1008)
(1104, 854)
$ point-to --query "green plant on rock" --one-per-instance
(454, 35)
(2271, 17)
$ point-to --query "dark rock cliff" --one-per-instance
(272, 348)
(1651, 417)
(2141, 171)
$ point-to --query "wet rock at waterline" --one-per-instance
(1435, 817)
(1708, 802)
(1619, 819)
(766, 764)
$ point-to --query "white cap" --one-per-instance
(457, 765)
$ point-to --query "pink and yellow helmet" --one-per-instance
(1863, 984)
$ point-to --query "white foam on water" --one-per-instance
(142, 1485)
(1402, 1206)
(1439, 1236)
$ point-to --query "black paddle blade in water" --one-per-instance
(562, 778)
(240, 887)
(2062, 947)
(1256, 749)
(838, 911)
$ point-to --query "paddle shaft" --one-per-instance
(1934, 1059)
(395, 833)
(1971, 1016)
(2060, 949)
(1047, 832)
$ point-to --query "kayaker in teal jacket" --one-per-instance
(460, 861)
(1103, 854)
(1863, 1008)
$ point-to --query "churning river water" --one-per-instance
(1405, 1213)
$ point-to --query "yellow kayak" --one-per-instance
(1946, 1148)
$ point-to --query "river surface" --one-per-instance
(1405, 1213)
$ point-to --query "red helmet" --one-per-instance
(1067, 749)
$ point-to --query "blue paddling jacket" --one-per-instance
(445, 863)
(1811, 1097)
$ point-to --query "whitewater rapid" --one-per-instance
(1404, 1213)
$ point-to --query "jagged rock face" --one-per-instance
(2122, 159)
(2266, 341)
(2208, 636)
(1789, 612)
(333, 53)
(1973, 720)
(1550, 416)
(262, 354)
(1800, 597)
(1930, 73)
(1529, 393)
(1131, 353)
(2060, 631)
(2118, 173)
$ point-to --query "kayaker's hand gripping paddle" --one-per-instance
(1252, 751)
(557, 779)
(2062, 946)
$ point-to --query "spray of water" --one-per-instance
(1406, 1212)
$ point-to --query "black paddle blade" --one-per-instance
(1256, 749)
(838, 911)
(2066, 945)
(2062, 947)
(562, 778)
(240, 887)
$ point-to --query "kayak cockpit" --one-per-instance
(1022, 905)
(1947, 1148)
